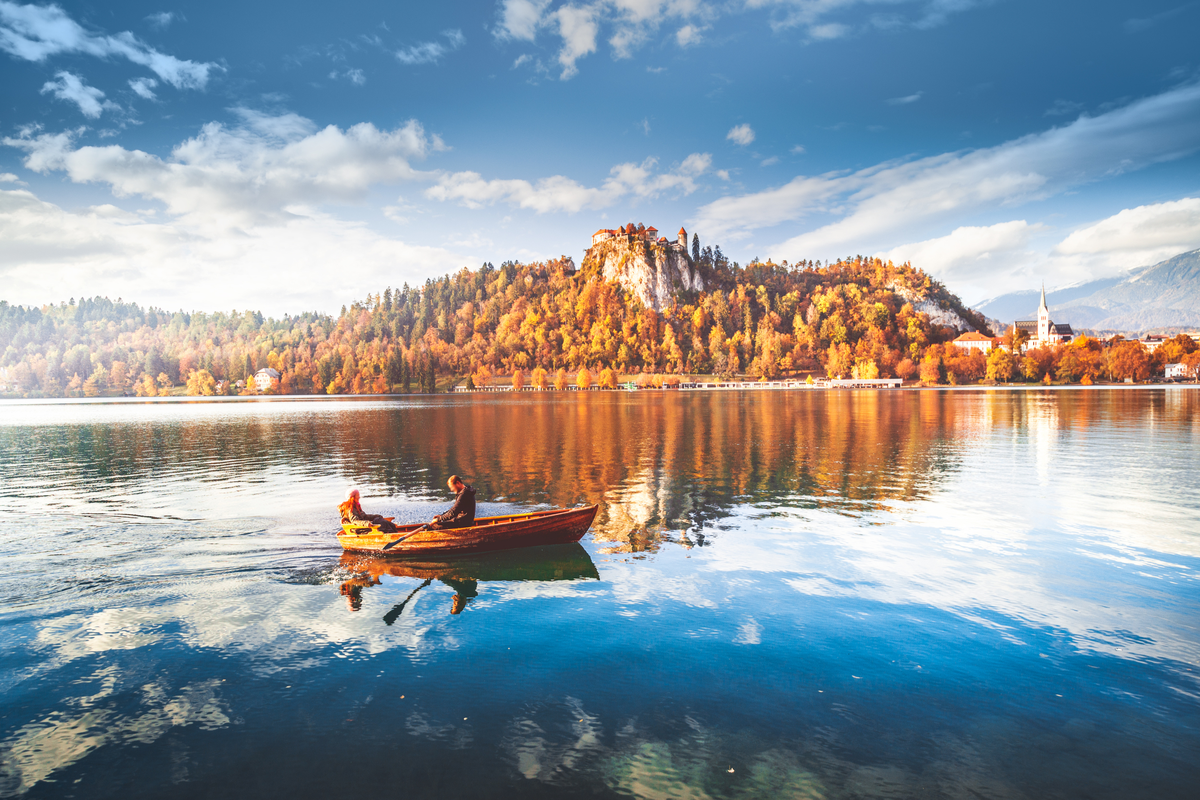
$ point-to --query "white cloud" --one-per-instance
(578, 28)
(34, 33)
(873, 205)
(689, 35)
(253, 173)
(798, 150)
(163, 19)
(966, 248)
(767, 162)
(520, 19)
(561, 194)
(278, 268)
(906, 100)
(70, 87)
(8, 177)
(741, 134)
(829, 30)
(813, 15)
(430, 52)
(1152, 230)
(143, 87)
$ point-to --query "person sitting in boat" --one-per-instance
(351, 511)
(462, 513)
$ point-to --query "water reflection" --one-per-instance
(565, 562)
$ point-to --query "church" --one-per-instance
(1043, 331)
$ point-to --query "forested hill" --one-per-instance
(858, 315)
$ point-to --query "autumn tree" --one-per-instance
(1001, 365)
(583, 379)
(1129, 361)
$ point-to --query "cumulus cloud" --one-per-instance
(965, 249)
(741, 134)
(559, 193)
(689, 35)
(70, 87)
(873, 205)
(578, 28)
(143, 87)
(520, 19)
(1168, 228)
(278, 268)
(431, 52)
(578, 25)
(34, 33)
(252, 173)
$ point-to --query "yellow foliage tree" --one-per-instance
(540, 378)
(583, 379)
(607, 379)
(560, 379)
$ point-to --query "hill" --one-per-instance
(1165, 295)
(860, 316)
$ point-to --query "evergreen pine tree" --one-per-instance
(405, 376)
(695, 247)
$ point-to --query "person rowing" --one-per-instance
(462, 513)
(459, 515)
(352, 511)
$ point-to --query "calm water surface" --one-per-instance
(810, 595)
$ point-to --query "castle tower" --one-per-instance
(1043, 319)
(683, 239)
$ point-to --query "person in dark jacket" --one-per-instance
(462, 513)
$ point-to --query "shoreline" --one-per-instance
(311, 398)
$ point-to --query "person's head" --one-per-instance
(455, 483)
(352, 496)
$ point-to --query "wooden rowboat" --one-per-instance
(557, 526)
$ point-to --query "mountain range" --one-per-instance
(1165, 295)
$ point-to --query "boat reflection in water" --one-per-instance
(560, 562)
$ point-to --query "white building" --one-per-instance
(263, 378)
(975, 341)
(1177, 371)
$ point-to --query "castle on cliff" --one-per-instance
(632, 234)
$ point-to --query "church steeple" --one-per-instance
(1043, 305)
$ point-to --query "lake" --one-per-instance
(926, 594)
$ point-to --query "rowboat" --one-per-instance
(556, 526)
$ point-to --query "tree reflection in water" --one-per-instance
(564, 562)
(664, 466)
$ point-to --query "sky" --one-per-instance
(289, 158)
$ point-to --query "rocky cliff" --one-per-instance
(652, 271)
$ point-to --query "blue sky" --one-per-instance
(216, 155)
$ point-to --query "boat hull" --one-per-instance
(558, 526)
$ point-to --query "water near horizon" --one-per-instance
(967, 594)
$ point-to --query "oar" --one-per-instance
(395, 542)
(392, 615)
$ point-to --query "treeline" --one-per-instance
(858, 316)
(1084, 360)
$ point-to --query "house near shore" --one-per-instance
(264, 377)
(973, 340)
(1177, 372)
(1043, 331)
